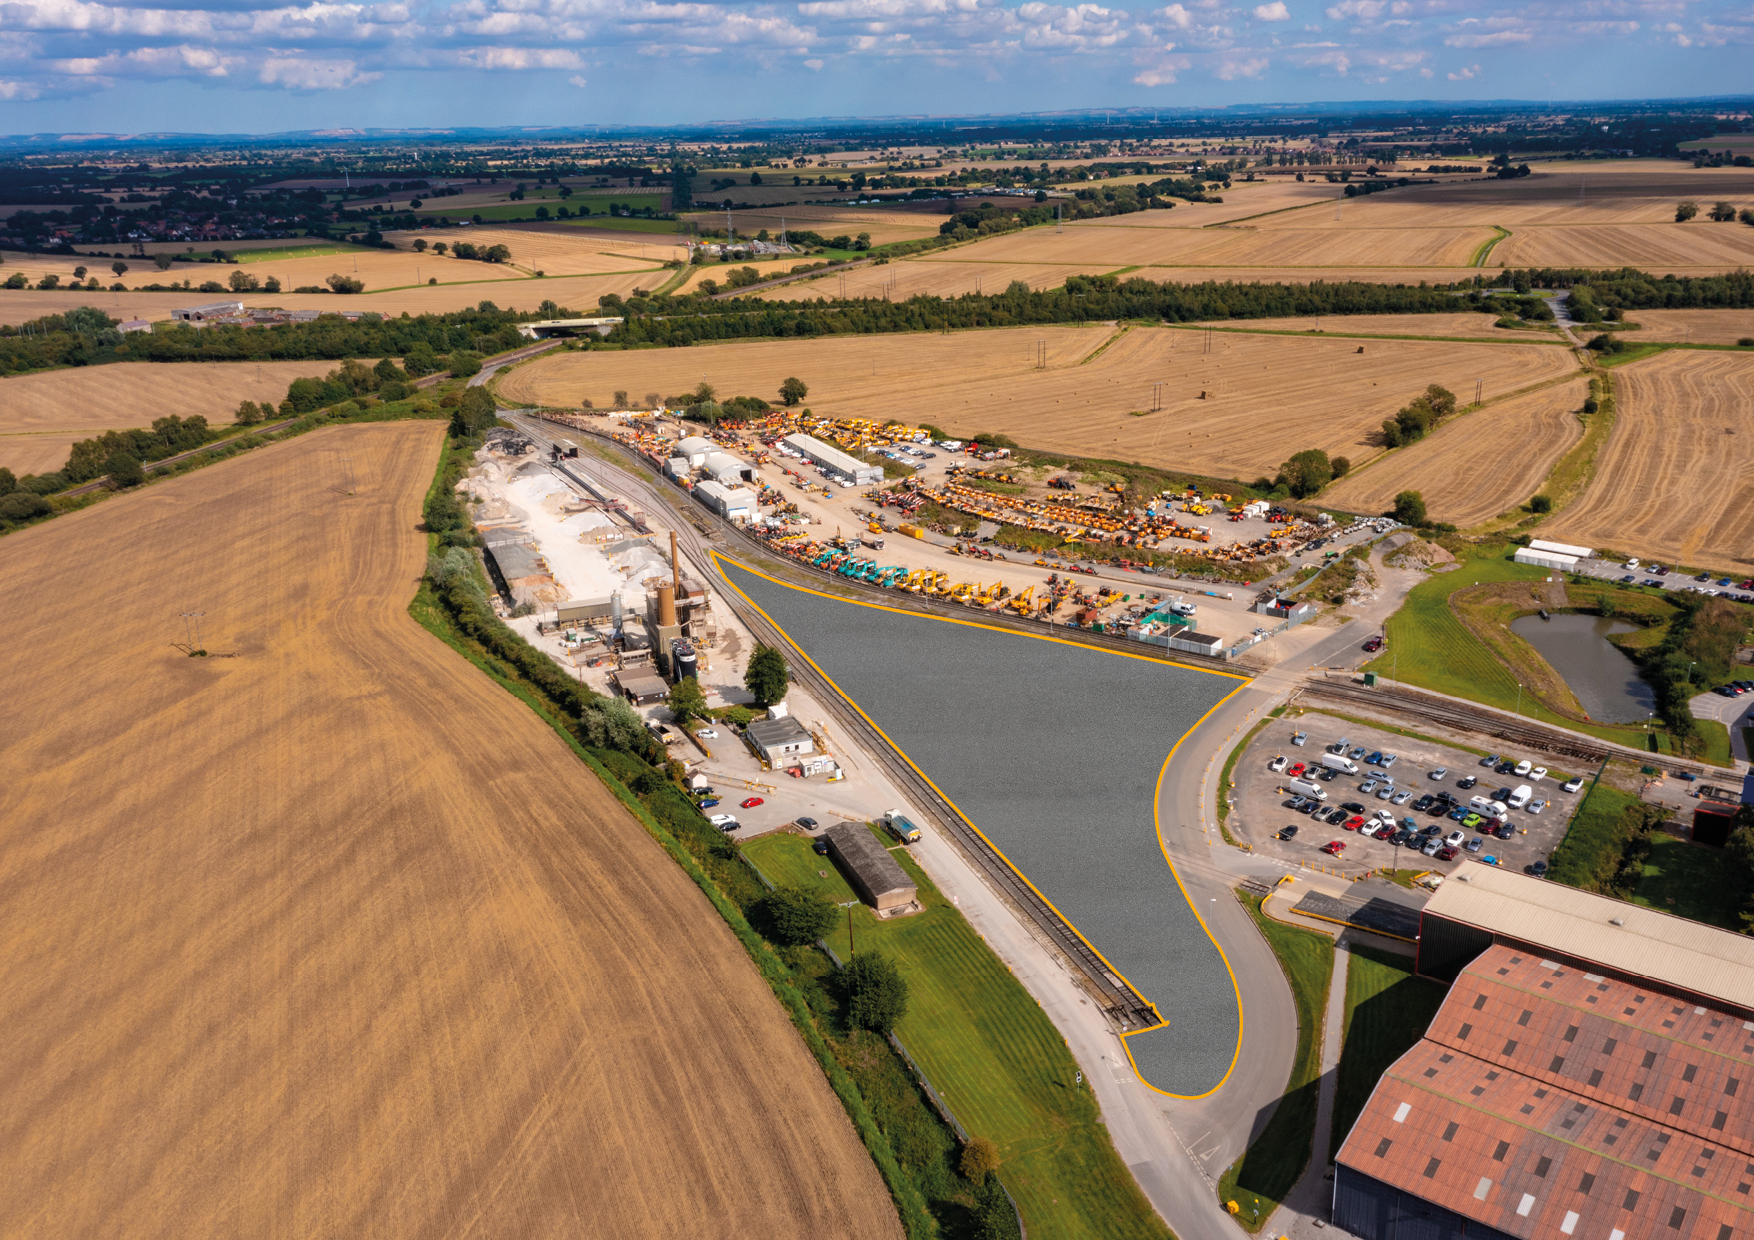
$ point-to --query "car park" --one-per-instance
(1437, 774)
(1278, 763)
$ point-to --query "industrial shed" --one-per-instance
(777, 738)
(695, 449)
(726, 469)
(732, 503)
(1196, 643)
(834, 460)
(1588, 1077)
(586, 610)
(873, 873)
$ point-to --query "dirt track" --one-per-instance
(332, 936)
(1672, 483)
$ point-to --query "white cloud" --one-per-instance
(579, 80)
(1359, 10)
(1229, 70)
(297, 73)
(1274, 12)
(1176, 16)
(814, 64)
(1498, 38)
(1466, 74)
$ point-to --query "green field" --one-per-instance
(1430, 648)
(1593, 841)
(1688, 879)
(1261, 1179)
(526, 211)
(992, 1052)
(320, 249)
(1387, 1010)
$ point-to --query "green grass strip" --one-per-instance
(1479, 258)
(1224, 781)
(1687, 879)
(1264, 1176)
(1387, 1011)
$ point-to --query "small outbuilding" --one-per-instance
(873, 873)
(780, 737)
(642, 686)
(1197, 643)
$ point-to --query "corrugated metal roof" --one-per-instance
(1545, 1100)
(1667, 949)
(824, 454)
(871, 865)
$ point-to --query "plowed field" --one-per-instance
(331, 936)
(1673, 482)
(1266, 396)
(1476, 466)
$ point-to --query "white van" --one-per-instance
(1520, 797)
(1339, 762)
(1308, 789)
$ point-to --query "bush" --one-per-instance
(1541, 503)
(345, 284)
(22, 506)
(876, 992)
(980, 1158)
(794, 916)
(1410, 508)
(1591, 405)
(1746, 342)
(464, 364)
(1685, 211)
(124, 470)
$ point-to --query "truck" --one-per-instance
(872, 541)
(1309, 789)
(1339, 762)
(897, 824)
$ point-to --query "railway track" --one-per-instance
(1487, 722)
(1125, 1006)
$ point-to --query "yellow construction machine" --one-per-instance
(1020, 603)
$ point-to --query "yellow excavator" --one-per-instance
(960, 592)
(1020, 603)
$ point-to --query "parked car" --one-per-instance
(819, 846)
(809, 824)
(1278, 763)
(1538, 774)
(1389, 759)
(1490, 759)
(1336, 816)
(1446, 853)
(1536, 807)
(1522, 768)
(1385, 792)
(1339, 746)
(708, 803)
(1334, 847)
(1474, 845)
(1309, 807)
(1437, 773)
(1539, 869)
(1455, 839)
(1402, 797)
(1572, 784)
(751, 802)
(1296, 770)
(1424, 803)
(1432, 846)
(1375, 757)
(1366, 829)
(1357, 753)
(711, 734)
(1458, 814)
(729, 824)
(1289, 832)
(1373, 645)
(1352, 807)
(1300, 738)
(1504, 831)
(1367, 787)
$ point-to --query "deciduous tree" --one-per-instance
(793, 391)
(686, 700)
(767, 678)
(796, 916)
(1410, 508)
(876, 992)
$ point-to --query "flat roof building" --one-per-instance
(834, 460)
(777, 739)
(873, 873)
(1587, 1077)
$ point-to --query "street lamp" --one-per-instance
(1519, 697)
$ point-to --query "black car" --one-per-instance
(1337, 816)
(1506, 768)
(1502, 794)
(1289, 833)
(1403, 837)
(1539, 869)
(1309, 807)
(1353, 807)
(1435, 828)
(1424, 803)
(1505, 831)
(1467, 781)
(820, 846)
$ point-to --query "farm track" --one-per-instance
(1125, 1006)
(1449, 713)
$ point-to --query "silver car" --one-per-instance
(1401, 798)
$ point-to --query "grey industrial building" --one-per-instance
(1582, 1080)
(779, 737)
(732, 503)
(873, 873)
(834, 460)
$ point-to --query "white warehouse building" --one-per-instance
(834, 460)
(732, 503)
(1544, 554)
(695, 449)
(724, 468)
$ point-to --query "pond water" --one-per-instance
(1604, 679)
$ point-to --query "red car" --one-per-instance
(1373, 645)
(1296, 770)
(1446, 853)
(751, 803)
(1334, 847)
(1354, 822)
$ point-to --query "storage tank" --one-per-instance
(683, 658)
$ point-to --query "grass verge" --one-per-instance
(1266, 1173)
(1478, 259)
(1224, 780)
(1590, 851)
(990, 1050)
(1687, 879)
(1387, 1011)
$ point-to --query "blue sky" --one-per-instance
(254, 66)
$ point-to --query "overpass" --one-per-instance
(544, 328)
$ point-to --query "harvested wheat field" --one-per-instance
(1242, 245)
(330, 935)
(1691, 326)
(943, 278)
(1674, 479)
(1267, 396)
(1475, 326)
(88, 400)
(1476, 466)
(884, 224)
(22, 305)
(1693, 248)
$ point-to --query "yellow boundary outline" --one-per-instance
(1156, 816)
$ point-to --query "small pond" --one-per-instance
(1604, 679)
